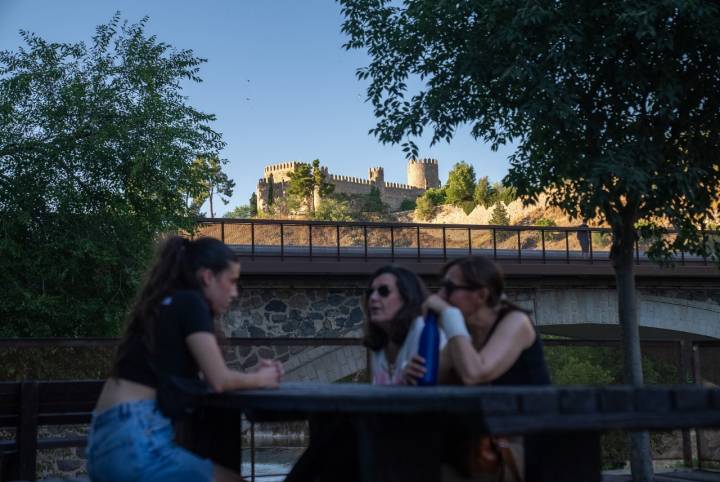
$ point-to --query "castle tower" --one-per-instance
(423, 173)
(377, 177)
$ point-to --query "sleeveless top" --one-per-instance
(530, 367)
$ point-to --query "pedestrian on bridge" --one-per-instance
(490, 341)
(170, 336)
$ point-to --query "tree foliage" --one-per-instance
(209, 180)
(305, 179)
(334, 208)
(244, 211)
(460, 185)
(613, 106)
(500, 215)
(97, 150)
(484, 193)
(300, 187)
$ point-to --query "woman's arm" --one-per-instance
(501, 351)
(204, 348)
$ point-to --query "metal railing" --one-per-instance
(373, 240)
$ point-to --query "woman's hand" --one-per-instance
(267, 376)
(435, 303)
(266, 362)
(413, 370)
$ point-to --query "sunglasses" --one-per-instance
(451, 287)
(383, 291)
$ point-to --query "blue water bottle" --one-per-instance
(429, 349)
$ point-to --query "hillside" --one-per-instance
(519, 215)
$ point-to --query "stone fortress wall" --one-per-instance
(421, 175)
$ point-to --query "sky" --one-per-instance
(277, 77)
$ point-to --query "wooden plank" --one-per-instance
(539, 402)
(616, 399)
(691, 398)
(653, 399)
(577, 401)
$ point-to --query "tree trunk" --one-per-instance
(623, 263)
(212, 213)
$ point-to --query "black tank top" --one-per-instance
(530, 367)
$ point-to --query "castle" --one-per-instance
(422, 174)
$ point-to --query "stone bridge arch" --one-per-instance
(593, 313)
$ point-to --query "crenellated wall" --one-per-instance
(422, 174)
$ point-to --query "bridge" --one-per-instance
(285, 247)
(305, 279)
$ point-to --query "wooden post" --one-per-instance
(27, 430)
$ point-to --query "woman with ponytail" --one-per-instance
(490, 341)
(170, 333)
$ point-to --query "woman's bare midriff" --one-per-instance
(119, 390)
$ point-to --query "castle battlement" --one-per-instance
(427, 161)
(283, 166)
(397, 185)
(356, 180)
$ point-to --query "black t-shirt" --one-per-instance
(181, 314)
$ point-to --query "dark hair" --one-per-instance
(176, 265)
(481, 272)
(413, 292)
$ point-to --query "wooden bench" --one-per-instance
(28, 405)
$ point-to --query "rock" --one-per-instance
(335, 300)
(278, 318)
(256, 332)
(298, 301)
(69, 465)
(277, 306)
(356, 316)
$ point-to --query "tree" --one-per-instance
(97, 145)
(500, 215)
(271, 190)
(484, 194)
(613, 106)
(334, 209)
(435, 195)
(425, 208)
(460, 184)
(300, 187)
(253, 205)
(305, 180)
(243, 211)
(506, 194)
(209, 181)
(373, 203)
(408, 205)
(324, 188)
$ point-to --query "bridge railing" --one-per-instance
(375, 240)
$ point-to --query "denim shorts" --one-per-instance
(133, 441)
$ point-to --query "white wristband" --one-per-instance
(453, 323)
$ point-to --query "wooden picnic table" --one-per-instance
(399, 429)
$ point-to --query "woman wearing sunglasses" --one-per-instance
(490, 340)
(393, 323)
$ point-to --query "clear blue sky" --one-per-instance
(277, 78)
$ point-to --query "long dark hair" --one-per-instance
(481, 272)
(176, 265)
(413, 292)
